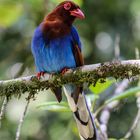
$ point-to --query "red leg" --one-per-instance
(63, 71)
(39, 74)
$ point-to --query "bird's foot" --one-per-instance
(63, 71)
(39, 74)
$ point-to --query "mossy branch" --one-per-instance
(88, 73)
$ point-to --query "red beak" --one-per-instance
(77, 13)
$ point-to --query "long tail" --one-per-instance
(81, 114)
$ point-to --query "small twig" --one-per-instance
(18, 132)
(137, 118)
(137, 53)
(134, 126)
(3, 108)
(105, 114)
(5, 101)
(117, 47)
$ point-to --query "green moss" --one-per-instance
(116, 70)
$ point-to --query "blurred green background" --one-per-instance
(104, 20)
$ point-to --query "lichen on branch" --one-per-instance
(88, 73)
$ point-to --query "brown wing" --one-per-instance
(79, 62)
(77, 55)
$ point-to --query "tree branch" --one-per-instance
(88, 73)
(18, 132)
(106, 112)
(2, 111)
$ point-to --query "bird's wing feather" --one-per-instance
(77, 48)
(75, 36)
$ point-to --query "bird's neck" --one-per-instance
(54, 27)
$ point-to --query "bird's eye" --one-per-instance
(67, 6)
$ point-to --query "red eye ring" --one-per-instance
(67, 6)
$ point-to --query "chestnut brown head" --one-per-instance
(69, 10)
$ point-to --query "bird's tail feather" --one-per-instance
(81, 113)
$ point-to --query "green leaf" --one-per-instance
(127, 93)
(100, 87)
(55, 106)
(116, 139)
(9, 13)
(93, 97)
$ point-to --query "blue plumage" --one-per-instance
(56, 54)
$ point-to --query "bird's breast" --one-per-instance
(58, 54)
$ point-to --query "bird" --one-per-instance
(56, 47)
